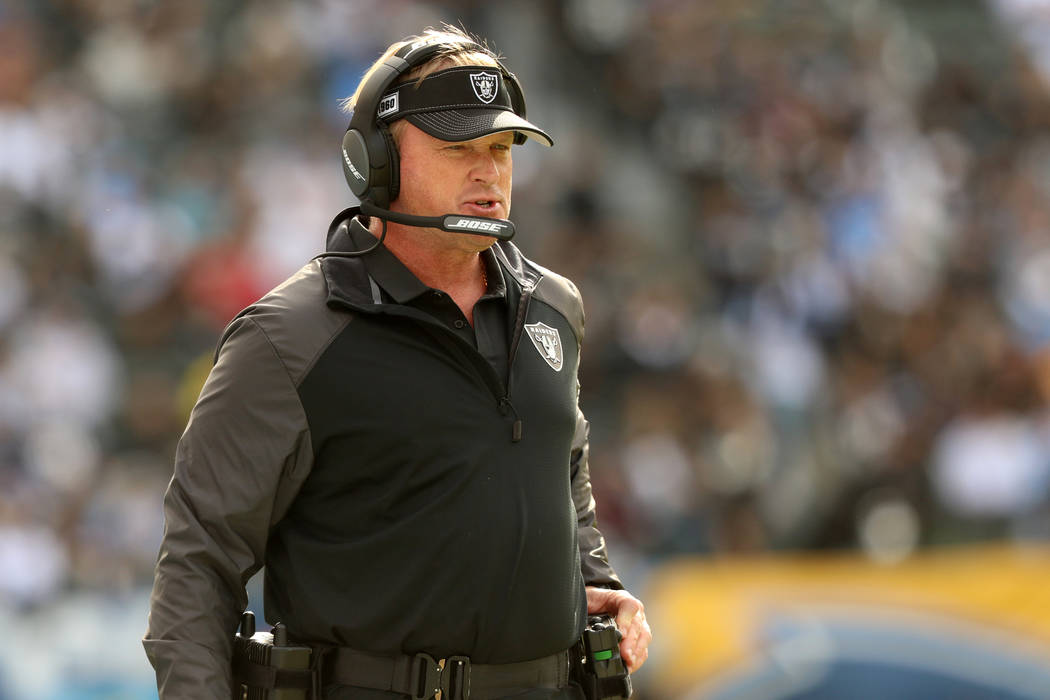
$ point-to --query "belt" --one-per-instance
(422, 676)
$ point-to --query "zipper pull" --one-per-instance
(518, 427)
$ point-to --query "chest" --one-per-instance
(399, 406)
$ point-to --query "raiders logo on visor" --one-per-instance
(485, 85)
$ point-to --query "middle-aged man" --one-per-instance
(394, 431)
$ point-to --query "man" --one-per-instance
(394, 430)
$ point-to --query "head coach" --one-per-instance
(394, 432)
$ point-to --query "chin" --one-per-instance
(474, 241)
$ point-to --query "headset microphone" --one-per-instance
(453, 223)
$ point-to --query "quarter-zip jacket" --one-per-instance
(404, 495)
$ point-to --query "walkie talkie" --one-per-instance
(266, 666)
(598, 667)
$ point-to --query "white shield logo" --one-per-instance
(485, 86)
(548, 342)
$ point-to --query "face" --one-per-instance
(455, 177)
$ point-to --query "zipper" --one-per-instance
(488, 375)
(519, 326)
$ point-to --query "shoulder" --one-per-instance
(563, 295)
(295, 319)
(551, 288)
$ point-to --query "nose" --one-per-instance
(485, 168)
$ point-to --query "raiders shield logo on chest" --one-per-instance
(548, 343)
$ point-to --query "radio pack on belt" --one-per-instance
(267, 667)
(597, 665)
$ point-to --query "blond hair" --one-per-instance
(454, 54)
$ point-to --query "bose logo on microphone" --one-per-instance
(475, 225)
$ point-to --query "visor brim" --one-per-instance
(468, 124)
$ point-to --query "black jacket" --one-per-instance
(404, 494)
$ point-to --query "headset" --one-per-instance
(369, 154)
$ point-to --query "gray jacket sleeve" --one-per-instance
(563, 295)
(242, 458)
(594, 559)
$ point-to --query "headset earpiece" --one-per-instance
(356, 165)
(370, 163)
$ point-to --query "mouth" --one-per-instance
(483, 207)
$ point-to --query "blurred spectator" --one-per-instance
(813, 240)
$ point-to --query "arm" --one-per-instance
(605, 592)
(594, 559)
(240, 461)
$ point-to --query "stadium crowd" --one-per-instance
(813, 239)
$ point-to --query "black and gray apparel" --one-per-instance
(411, 484)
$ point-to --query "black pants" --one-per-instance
(345, 692)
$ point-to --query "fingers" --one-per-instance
(635, 662)
(630, 620)
(634, 648)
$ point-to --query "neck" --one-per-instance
(447, 261)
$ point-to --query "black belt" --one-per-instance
(422, 676)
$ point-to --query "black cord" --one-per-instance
(354, 253)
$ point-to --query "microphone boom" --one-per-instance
(502, 229)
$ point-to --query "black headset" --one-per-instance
(370, 157)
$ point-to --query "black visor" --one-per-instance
(459, 104)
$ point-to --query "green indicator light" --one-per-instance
(603, 655)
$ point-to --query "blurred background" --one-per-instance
(813, 238)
